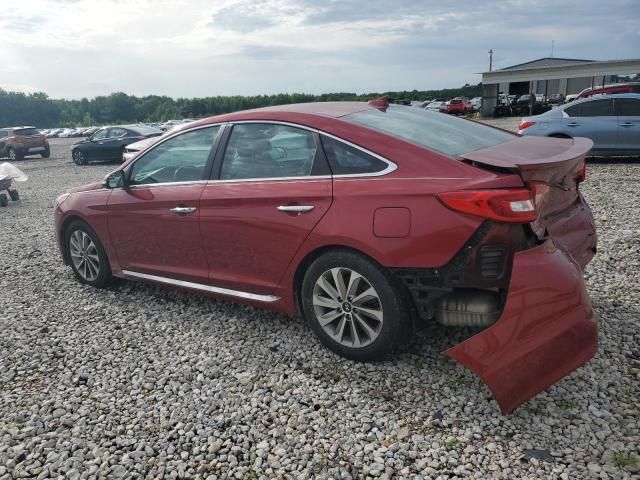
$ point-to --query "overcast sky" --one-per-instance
(84, 48)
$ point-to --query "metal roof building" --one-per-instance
(552, 75)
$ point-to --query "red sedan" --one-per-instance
(368, 220)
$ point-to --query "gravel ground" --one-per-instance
(139, 381)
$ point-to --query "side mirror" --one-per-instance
(115, 179)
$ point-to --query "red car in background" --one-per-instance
(630, 87)
(366, 219)
(459, 106)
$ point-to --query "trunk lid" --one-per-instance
(552, 168)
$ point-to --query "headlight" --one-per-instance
(61, 198)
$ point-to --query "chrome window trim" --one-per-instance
(166, 184)
(157, 144)
(202, 287)
(391, 166)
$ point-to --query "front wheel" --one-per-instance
(354, 306)
(79, 158)
(13, 155)
(46, 154)
(87, 256)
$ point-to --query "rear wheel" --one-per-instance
(353, 306)
(87, 256)
(78, 157)
(46, 153)
(13, 194)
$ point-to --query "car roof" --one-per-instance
(601, 96)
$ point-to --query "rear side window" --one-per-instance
(347, 160)
(26, 132)
(596, 108)
(444, 133)
(262, 150)
(117, 132)
(627, 107)
(573, 111)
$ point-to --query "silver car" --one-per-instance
(611, 121)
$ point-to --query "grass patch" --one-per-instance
(624, 459)
(451, 444)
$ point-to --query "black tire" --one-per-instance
(79, 157)
(14, 155)
(390, 300)
(46, 153)
(103, 277)
(3, 200)
(14, 195)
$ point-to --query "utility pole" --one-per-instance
(490, 58)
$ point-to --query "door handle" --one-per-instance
(626, 124)
(296, 208)
(573, 124)
(183, 210)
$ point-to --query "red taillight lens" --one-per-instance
(509, 205)
(524, 125)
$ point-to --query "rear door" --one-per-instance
(271, 188)
(114, 143)
(628, 112)
(594, 119)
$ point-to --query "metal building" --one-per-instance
(552, 75)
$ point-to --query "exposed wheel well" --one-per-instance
(313, 255)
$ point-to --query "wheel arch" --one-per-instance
(559, 135)
(311, 256)
(64, 226)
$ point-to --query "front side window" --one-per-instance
(180, 159)
(347, 160)
(627, 107)
(444, 133)
(100, 134)
(261, 150)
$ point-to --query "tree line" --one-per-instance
(38, 109)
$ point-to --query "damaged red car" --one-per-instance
(368, 219)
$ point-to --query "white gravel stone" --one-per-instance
(138, 381)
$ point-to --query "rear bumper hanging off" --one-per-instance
(547, 329)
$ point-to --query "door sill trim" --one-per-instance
(202, 287)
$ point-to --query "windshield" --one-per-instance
(436, 131)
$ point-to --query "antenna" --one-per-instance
(552, 45)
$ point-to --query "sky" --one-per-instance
(195, 48)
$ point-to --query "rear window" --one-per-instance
(453, 102)
(444, 133)
(25, 132)
(144, 130)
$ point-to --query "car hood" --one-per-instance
(87, 187)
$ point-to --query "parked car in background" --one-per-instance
(615, 88)
(556, 98)
(19, 142)
(356, 215)
(476, 103)
(570, 98)
(134, 149)
(612, 122)
(108, 143)
(459, 106)
(437, 105)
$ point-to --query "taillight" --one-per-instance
(509, 205)
(524, 125)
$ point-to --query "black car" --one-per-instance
(108, 143)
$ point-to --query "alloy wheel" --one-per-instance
(12, 155)
(347, 307)
(78, 157)
(84, 255)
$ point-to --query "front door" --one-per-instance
(154, 220)
(272, 190)
(594, 119)
(94, 148)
